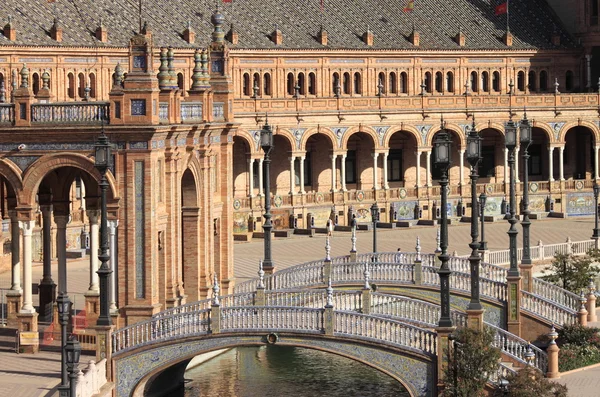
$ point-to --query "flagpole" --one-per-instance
(507, 18)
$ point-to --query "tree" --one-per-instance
(470, 363)
(572, 272)
(529, 382)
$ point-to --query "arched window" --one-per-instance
(403, 83)
(427, 82)
(485, 81)
(180, 81)
(543, 81)
(521, 81)
(312, 83)
(532, 86)
(302, 84)
(569, 80)
(36, 83)
(81, 85)
(474, 82)
(92, 85)
(267, 84)
(71, 86)
(393, 83)
(357, 83)
(347, 83)
(450, 82)
(496, 81)
(336, 86)
(247, 90)
(256, 83)
(381, 80)
(438, 82)
(290, 84)
(2, 84)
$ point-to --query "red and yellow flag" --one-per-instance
(410, 6)
(502, 8)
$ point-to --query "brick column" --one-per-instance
(15, 294)
(514, 304)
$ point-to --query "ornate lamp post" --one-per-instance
(375, 218)
(73, 349)
(474, 156)
(442, 147)
(266, 142)
(103, 161)
(63, 305)
(482, 201)
(525, 138)
(596, 233)
(511, 144)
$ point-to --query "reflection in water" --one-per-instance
(280, 371)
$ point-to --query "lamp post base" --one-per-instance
(443, 346)
(475, 319)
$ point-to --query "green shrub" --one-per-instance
(529, 382)
(577, 356)
(579, 336)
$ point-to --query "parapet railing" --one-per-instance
(548, 310)
(7, 113)
(70, 112)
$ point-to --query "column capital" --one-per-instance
(93, 216)
(46, 209)
(27, 227)
(375, 155)
(61, 220)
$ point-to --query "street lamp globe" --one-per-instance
(596, 189)
(375, 212)
(73, 350)
(473, 147)
(442, 146)
(525, 131)
(510, 137)
(103, 155)
(266, 137)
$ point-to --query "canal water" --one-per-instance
(282, 371)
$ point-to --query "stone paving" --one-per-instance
(38, 375)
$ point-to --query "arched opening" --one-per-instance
(454, 170)
(246, 88)
(317, 165)
(347, 84)
(427, 82)
(401, 160)
(302, 83)
(474, 82)
(290, 84)
(438, 82)
(92, 85)
(393, 83)
(404, 83)
(496, 81)
(485, 81)
(36, 83)
(521, 81)
(532, 80)
(312, 83)
(381, 82)
(359, 162)
(578, 154)
(357, 83)
(267, 84)
(71, 86)
(241, 172)
(449, 82)
(81, 85)
(280, 172)
(180, 81)
(491, 165)
(569, 80)
(256, 83)
(194, 269)
(336, 85)
(543, 81)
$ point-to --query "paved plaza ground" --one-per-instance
(38, 375)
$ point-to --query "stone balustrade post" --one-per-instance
(443, 347)
(552, 352)
(540, 250)
(569, 246)
(215, 319)
(591, 301)
(329, 314)
(366, 299)
(582, 314)
(104, 347)
(327, 270)
(418, 272)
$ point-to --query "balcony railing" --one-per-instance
(7, 113)
(191, 111)
(70, 112)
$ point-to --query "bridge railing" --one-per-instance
(240, 319)
(544, 308)
(342, 300)
(160, 329)
(385, 330)
(555, 294)
(517, 347)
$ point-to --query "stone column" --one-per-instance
(418, 172)
(250, 177)
(517, 179)
(292, 175)
(596, 148)
(385, 171)
(375, 181)
(93, 216)
(333, 157)
(302, 158)
(112, 250)
(15, 294)
(428, 165)
(343, 176)
(47, 288)
(561, 162)
(27, 228)
(551, 163)
(461, 165)
(61, 250)
(261, 187)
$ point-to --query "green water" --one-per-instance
(281, 371)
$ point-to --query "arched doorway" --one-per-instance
(242, 186)
(317, 164)
(578, 156)
(194, 269)
(401, 160)
(491, 165)
(359, 162)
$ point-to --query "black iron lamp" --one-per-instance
(596, 233)
(442, 144)
(510, 135)
(474, 156)
(266, 142)
(73, 351)
(103, 153)
(525, 139)
(375, 219)
(482, 201)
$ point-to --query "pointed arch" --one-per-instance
(322, 130)
(366, 129)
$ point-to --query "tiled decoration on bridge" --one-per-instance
(403, 210)
(240, 222)
(493, 206)
(492, 314)
(417, 375)
(320, 216)
(580, 203)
